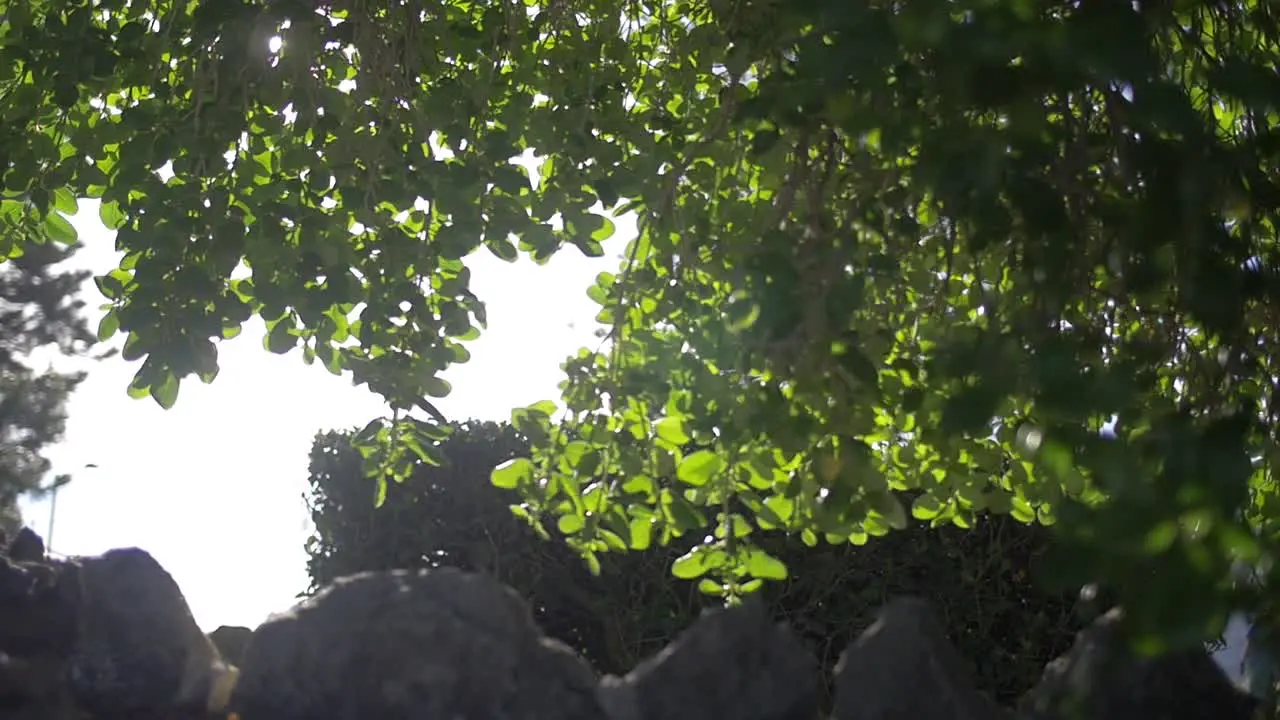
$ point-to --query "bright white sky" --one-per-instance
(213, 488)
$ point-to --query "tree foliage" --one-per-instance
(10, 521)
(895, 258)
(39, 310)
(451, 516)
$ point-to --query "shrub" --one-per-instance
(452, 515)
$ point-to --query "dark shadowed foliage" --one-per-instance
(451, 515)
(10, 519)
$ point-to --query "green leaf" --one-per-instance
(165, 392)
(782, 507)
(512, 473)
(888, 506)
(108, 326)
(59, 229)
(65, 202)
(672, 430)
(436, 387)
(765, 566)
(429, 431)
(925, 507)
(113, 285)
(699, 468)
(641, 533)
(425, 452)
(683, 515)
(570, 524)
(588, 230)
(605, 230)
(110, 214)
(502, 249)
(707, 586)
(698, 562)
(368, 435)
(547, 408)
(593, 563)
(279, 339)
(639, 485)
(1022, 511)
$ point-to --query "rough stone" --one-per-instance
(404, 645)
(734, 663)
(27, 547)
(37, 630)
(32, 689)
(904, 667)
(231, 641)
(39, 607)
(110, 637)
(1099, 678)
(138, 650)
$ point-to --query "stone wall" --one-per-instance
(446, 644)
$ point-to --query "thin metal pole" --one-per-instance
(53, 511)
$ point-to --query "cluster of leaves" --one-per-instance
(450, 516)
(916, 250)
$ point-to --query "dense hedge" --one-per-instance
(452, 515)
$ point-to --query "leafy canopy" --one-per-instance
(894, 257)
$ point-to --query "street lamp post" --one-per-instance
(58, 482)
(53, 511)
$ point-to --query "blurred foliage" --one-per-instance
(10, 521)
(980, 579)
(40, 313)
(894, 258)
